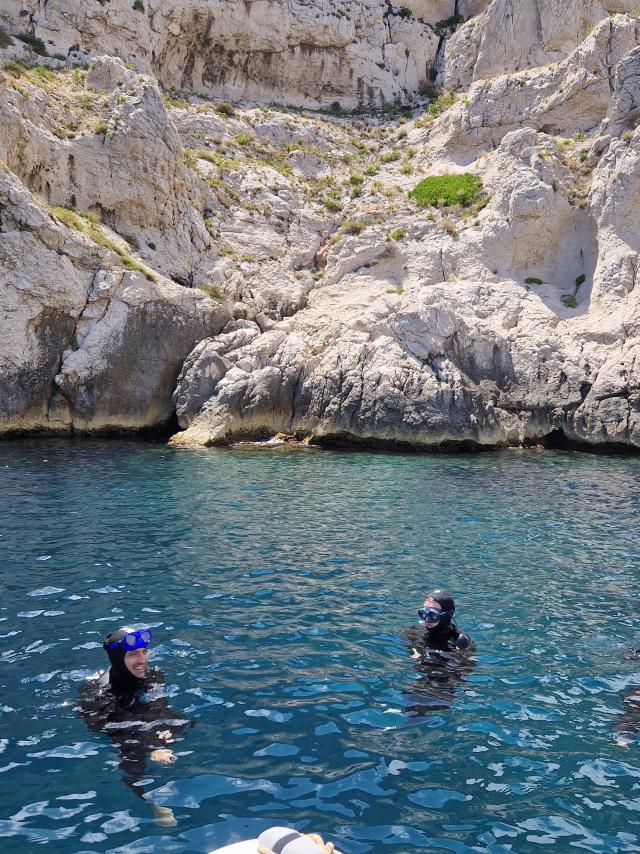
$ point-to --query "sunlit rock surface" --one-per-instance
(252, 269)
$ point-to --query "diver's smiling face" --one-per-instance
(136, 661)
(432, 603)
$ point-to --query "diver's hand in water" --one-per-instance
(165, 735)
(164, 816)
(163, 756)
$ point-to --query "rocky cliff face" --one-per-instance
(254, 269)
(355, 53)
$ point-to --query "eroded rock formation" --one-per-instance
(257, 270)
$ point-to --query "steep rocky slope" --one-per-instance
(259, 269)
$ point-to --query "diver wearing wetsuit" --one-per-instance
(436, 629)
(126, 704)
(442, 656)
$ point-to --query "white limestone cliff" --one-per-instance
(258, 270)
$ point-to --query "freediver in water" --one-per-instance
(127, 704)
(626, 726)
(443, 656)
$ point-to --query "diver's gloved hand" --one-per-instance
(163, 756)
(165, 735)
(163, 816)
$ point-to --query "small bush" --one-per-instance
(356, 180)
(243, 138)
(441, 104)
(225, 109)
(449, 226)
(569, 300)
(100, 127)
(446, 190)
(332, 204)
(355, 226)
(583, 155)
(170, 100)
(532, 280)
(132, 240)
(213, 292)
(371, 170)
(36, 44)
(406, 169)
(5, 38)
(14, 68)
(138, 6)
(44, 73)
(390, 156)
(397, 234)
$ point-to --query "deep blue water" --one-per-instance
(277, 584)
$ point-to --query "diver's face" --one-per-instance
(432, 603)
(136, 661)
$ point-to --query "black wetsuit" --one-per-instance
(135, 715)
(444, 662)
(449, 637)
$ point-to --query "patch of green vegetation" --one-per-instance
(100, 127)
(213, 292)
(278, 162)
(332, 203)
(132, 240)
(356, 180)
(243, 138)
(406, 169)
(569, 300)
(442, 103)
(36, 44)
(225, 109)
(449, 226)
(371, 170)
(43, 73)
(316, 275)
(170, 101)
(79, 76)
(355, 226)
(532, 280)
(14, 68)
(5, 39)
(390, 156)
(398, 290)
(445, 190)
(583, 155)
(449, 23)
(578, 137)
(138, 6)
(87, 223)
(397, 234)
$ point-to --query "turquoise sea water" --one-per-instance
(277, 584)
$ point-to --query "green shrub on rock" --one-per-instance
(446, 190)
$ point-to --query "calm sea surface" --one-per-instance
(277, 584)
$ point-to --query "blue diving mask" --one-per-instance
(433, 615)
(133, 640)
